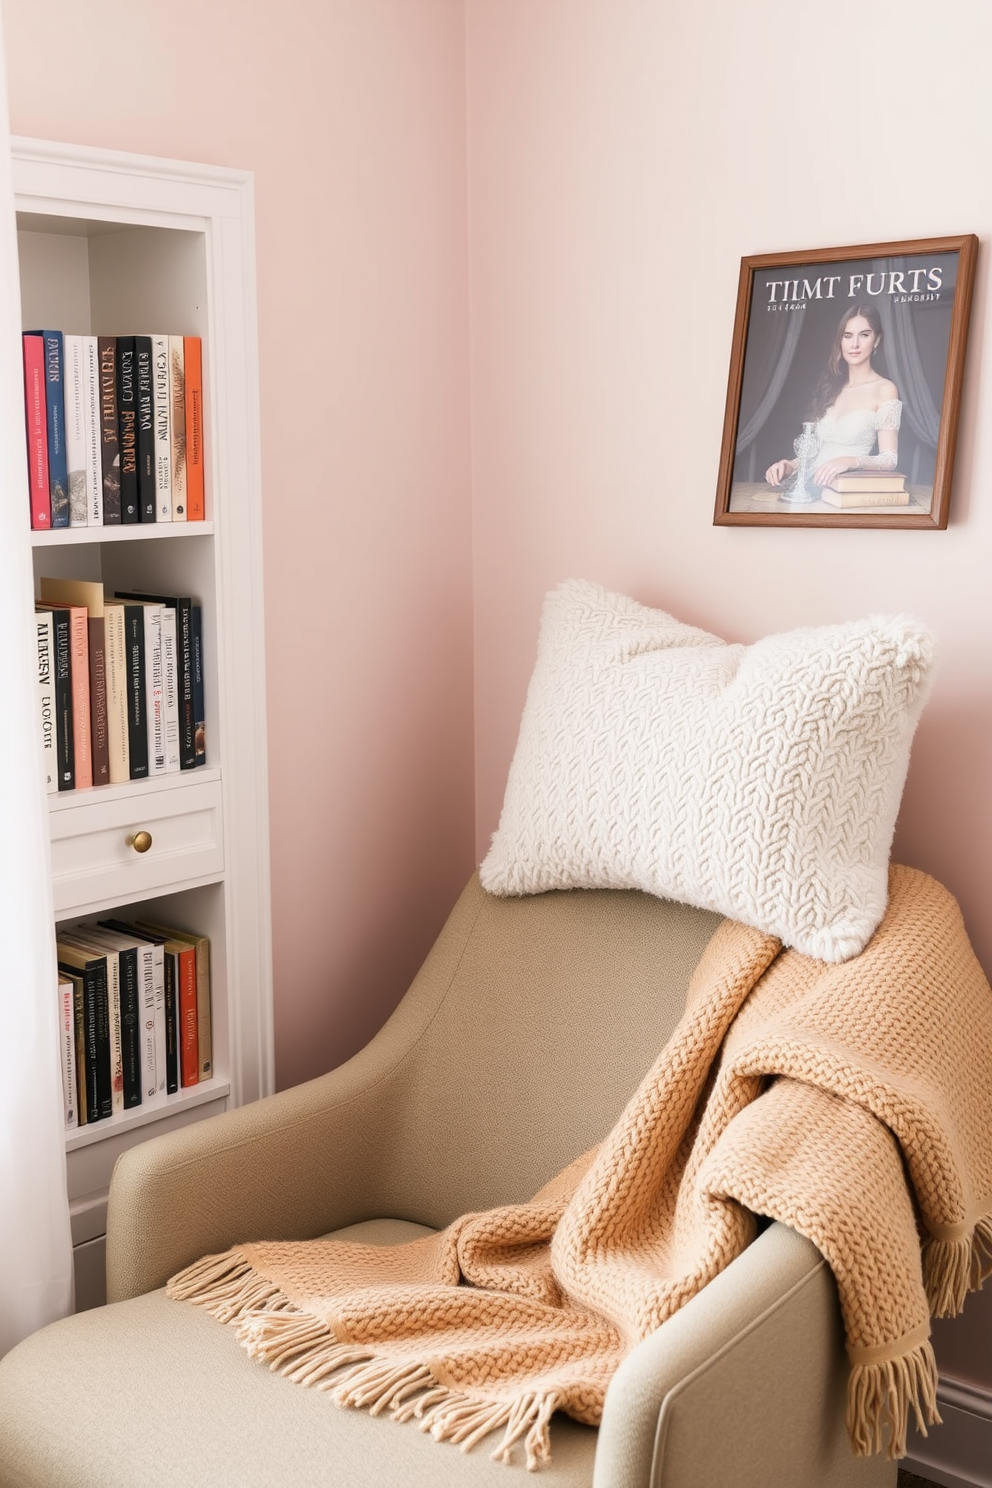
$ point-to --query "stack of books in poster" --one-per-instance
(114, 429)
(134, 1015)
(120, 684)
(867, 488)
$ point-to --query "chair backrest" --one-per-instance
(530, 1024)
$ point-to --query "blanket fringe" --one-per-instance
(451, 1416)
(227, 1287)
(880, 1397)
(953, 1268)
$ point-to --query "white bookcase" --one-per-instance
(118, 244)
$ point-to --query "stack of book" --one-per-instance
(864, 488)
(114, 429)
(120, 684)
(134, 1007)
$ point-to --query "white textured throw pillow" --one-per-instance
(759, 781)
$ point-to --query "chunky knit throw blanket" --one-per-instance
(852, 1102)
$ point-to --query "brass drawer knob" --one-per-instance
(140, 841)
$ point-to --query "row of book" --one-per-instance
(864, 488)
(120, 684)
(134, 1008)
(114, 429)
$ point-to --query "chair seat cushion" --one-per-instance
(156, 1393)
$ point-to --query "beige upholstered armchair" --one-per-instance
(517, 1046)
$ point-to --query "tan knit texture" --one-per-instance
(852, 1102)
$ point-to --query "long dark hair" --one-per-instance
(834, 375)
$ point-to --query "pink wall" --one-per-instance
(351, 115)
(623, 156)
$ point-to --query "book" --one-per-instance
(151, 962)
(201, 945)
(64, 733)
(127, 427)
(90, 596)
(79, 672)
(96, 1011)
(199, 706)
(67, 1037)
(88, 938)
(867, 480)
(116, 938)
(193, 360)
(170, 689)
(45, 672)
(79, 1031)
(170, 960)
(163, 435)
(864, 498)
(177, 425)
(137, 725)
(167, 994)
(37, 432)
(79, 643)
(76, 452)
(58, 474)
(154, 686)
(115, 651)
(146, 428)
(93, 466)
(110, 449)
(182, 684)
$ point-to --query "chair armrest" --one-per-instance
(745, 1384)
(292, 1165)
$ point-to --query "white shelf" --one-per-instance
(65, 537)
(146, 1115)
(117, 244)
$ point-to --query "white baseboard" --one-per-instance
(957, 1454)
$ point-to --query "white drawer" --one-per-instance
(94, 862)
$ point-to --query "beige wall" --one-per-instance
(623, 156)
(351, 115)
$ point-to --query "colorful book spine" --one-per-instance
(201, 947)
(177, 425)
(189, 1062)
(137, 725)
(58, 474)
(146, 428)
(45, 659)
(93, 969)
(64, 731)
(79, 642)
(99, 736)
(199, 704)
(130, 1026)
(117, 693)
(163, 436)
(67, 1031)
(75, 429)
(195, 497)
(91, 415)
(37, 432)
(110, 449)
(154, 689)
(170, 688)
(127, 425)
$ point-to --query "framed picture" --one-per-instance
(845, 385)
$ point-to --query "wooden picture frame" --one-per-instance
(800, 393)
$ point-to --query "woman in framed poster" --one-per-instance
(844, 388)
(855, 412)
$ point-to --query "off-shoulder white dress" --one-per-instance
(854, 433)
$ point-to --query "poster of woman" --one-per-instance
(844, 386)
